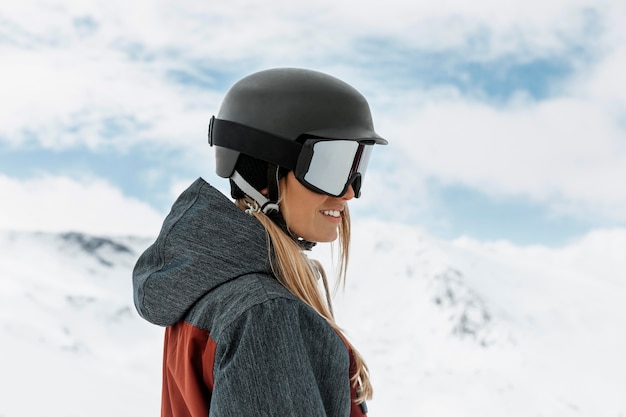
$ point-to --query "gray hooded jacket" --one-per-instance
(237, 343)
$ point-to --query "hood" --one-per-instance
(205, 241)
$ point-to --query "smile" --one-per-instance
(332, 213)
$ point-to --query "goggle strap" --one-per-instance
(266, 204)
(254, 142)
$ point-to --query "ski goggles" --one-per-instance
(331, 166)
(326, 166)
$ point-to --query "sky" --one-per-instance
(506, 120)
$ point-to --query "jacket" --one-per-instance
(237, 342)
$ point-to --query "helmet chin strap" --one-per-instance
(266, 206)
(269, 207)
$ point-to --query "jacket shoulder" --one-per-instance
(272, 353)
(224, 304)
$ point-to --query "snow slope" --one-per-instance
(72, 344)
(469, 329)
(459, 328)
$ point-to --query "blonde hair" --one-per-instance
(299, 274)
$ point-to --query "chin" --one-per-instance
(319, 235)
(325, 239)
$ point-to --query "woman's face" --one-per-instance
(311, 216)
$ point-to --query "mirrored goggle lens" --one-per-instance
(335, 163)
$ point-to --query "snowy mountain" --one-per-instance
(72, 344)
(458, 328)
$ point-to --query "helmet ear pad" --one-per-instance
(225, 161)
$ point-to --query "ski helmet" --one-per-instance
(287, 104)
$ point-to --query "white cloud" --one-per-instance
(76, 67)
(529, 145)
(94, 74)
(57, 204)
(567, 151)
(66, 98)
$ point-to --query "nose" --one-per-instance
(354, 190)
(349, 195)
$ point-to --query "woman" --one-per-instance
(248, 329)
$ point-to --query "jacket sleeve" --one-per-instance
(280, 358)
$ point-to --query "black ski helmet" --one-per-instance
(288, 103)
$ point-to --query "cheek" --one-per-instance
(300, 206)
(301, 214)
(300, 217)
